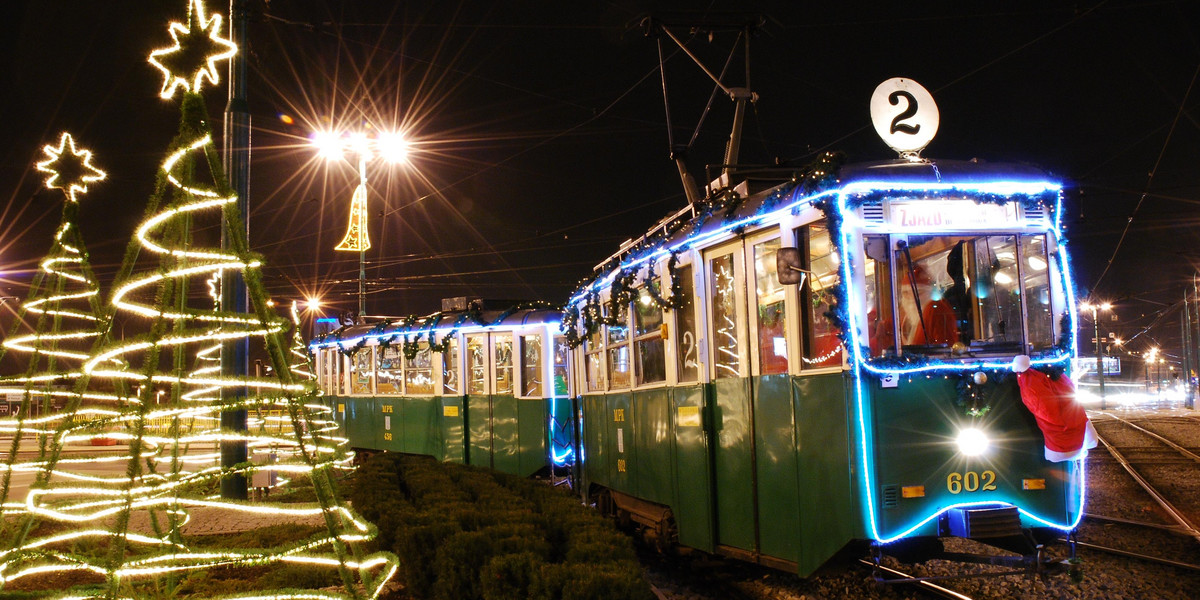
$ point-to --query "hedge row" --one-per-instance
(465, 533)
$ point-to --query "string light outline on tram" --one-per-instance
(840, 195)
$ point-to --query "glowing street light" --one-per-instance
(388, 146)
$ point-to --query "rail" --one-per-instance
(1190, 528)
(923, 583)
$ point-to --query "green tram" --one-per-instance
(775, 373)
(467, 385)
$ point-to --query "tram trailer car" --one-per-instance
(774, 375)
(467, 385)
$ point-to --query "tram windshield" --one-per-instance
(959, 295)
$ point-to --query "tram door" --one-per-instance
(747, 329)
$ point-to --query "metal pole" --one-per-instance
(362, 253)
(1099, 358)
(1185, 325)
(235, 354)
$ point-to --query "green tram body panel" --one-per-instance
(495, 431)
(714, 452)
(914, 427)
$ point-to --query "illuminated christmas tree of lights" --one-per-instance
(156, 397)
(65, 297)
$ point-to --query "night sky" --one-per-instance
(540, 139)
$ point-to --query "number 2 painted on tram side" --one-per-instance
(910, 110)
(956, 483)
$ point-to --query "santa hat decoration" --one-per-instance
(1064, 424)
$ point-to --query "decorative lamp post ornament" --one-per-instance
(905, 116)
(392, 148)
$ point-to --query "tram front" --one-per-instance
(961, 328)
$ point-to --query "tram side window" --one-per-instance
(560, 366)
(504, 362)
(361, 370)
(822, 346)
(531, 365)
(390, 376)
(477, 363)
(1037, 291)
(618, 354)
(595, 361)
(881, 325)
(418, 372)
(726, 351)
(647, 324)
(450, 382)
(771, 315)
(685, 324)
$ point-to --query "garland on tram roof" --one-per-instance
(424, 327)
(815, 176)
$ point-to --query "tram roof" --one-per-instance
(695, 221)
(442, 323)
(973, 172)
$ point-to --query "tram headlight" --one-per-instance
(972, 442)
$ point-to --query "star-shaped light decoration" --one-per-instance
(70, 169)
(193, 58)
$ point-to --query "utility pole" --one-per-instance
(1186, 326)
(235, 355)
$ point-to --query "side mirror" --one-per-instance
(787, 266)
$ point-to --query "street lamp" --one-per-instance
(389, 146)
(1151, 358)
(1095, 308)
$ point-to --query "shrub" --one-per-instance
(417, 546)
(464, 533)
(458, 564)
(510, 576)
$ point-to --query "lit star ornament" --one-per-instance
(70, 169)
(193, 58)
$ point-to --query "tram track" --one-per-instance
(897, 577)
(1183, 518)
